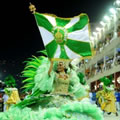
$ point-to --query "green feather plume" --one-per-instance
(10, 81)
(30, 71)
(81, 78)
(106, 81)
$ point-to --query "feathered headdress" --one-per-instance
(107, 81)
(10, 81)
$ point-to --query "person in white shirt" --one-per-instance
(5, 98)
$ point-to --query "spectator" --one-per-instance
(92, 96)
(117, 95)
(118, 31)
(5, 98)
(117, 60)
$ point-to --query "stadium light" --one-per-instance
(102, 23)
(112, 10)
(94, 33)
(98, 29)
(107, 18)
(92, 38)
(118, 2)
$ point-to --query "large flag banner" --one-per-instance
(65, 38)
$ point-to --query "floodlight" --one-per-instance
(102, 23)
(106, 18)
(112, 10)
(98, 29)
(94, 33)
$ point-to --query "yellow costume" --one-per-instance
(13, 97)
(107, 101)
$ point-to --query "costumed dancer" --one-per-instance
(54, 96)
(106, 97)
(11, 95)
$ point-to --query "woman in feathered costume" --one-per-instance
(54, 96)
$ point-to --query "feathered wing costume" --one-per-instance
(42, 104)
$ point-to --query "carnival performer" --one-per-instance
(61, 80)
(54, 96)
(106, 97)
(11, 96)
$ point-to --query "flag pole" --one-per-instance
(51, 66)
(32, 8)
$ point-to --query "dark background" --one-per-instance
(20, 38)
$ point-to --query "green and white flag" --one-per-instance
(65, 38)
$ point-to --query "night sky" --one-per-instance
(20, 38)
